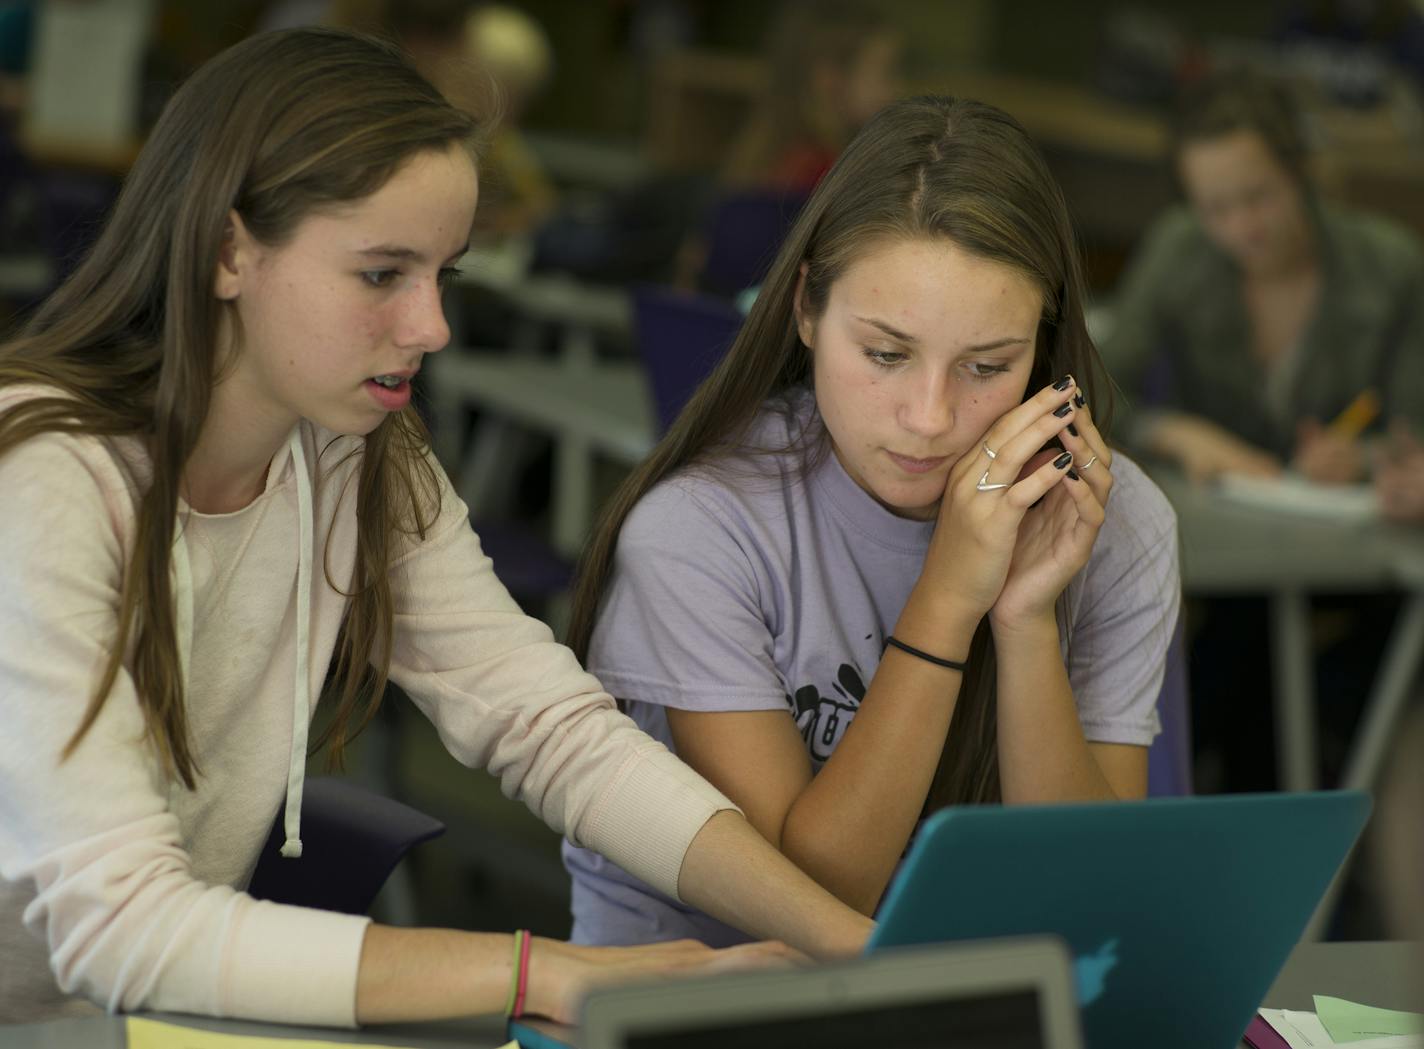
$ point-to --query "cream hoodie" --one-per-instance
(119, 888)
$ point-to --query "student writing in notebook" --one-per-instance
(886, 560)
(216, 489)
(1257, 313)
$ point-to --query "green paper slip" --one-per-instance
(1351, 1022)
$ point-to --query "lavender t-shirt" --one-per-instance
(757, 584)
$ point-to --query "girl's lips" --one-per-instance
(392, 398)
(916, 466)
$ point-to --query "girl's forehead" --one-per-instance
(430, 197)
(906, 266)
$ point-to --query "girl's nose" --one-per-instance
(423, 325)
(928, 411)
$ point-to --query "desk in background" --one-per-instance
(1232, 549)
(587, 408)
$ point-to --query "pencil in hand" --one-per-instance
(1356, 417)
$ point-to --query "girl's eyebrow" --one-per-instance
(403, 254)
(894, 333)
(999, 344)
(985, 347)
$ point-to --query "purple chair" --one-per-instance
(529, 568)
(352, 838)
(680, 336)
(1169, 759)
(742, 233)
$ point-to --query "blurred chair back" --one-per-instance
(680, 336)
(742, 234)
(352, 838)
(1169, 759)
(528, 566)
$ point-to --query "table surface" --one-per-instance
(1380, 974)
(1228, 547)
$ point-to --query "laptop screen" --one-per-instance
(1009, 1020)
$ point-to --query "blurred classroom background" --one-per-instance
(644, 158)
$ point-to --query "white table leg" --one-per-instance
(1388, 697)
(1384, 709)
(573, 493)
(1295, 689)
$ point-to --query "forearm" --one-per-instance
(1043, 755)
(431, 974)
(849, 827)
(732, 873)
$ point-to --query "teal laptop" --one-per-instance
(1179, 912)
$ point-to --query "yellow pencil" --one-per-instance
(1362, 411)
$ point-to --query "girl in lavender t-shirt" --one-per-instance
(873, 568)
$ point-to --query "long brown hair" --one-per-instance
(923, 167)
(275, 127)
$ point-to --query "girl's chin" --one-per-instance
(916, 513)
(917, 506)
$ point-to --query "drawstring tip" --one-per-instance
(292, 850)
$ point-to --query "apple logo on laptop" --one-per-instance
(1090, 972)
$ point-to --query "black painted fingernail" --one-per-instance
(1063, 460)
(1063, 383)
(1062, 410)
(1080, 400)
(1074, 474)
(1073, 429)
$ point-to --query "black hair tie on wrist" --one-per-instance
(947, 663)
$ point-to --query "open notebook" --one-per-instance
(1290, 494)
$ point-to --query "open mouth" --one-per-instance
(391, 392)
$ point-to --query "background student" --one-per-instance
(1255, 315)
(831, 65)
(216, 490)
(894, 451)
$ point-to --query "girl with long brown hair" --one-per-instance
(872, 569)
(216, 490)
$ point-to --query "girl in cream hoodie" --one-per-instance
(216, 490)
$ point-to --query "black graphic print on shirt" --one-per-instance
(823, 719)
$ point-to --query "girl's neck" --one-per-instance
(228, 468)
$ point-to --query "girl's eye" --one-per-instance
(449, 275)
(985, 372)
(884, 358)
(379, 278)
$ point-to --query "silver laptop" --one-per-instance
(993, 994)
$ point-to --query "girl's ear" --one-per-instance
(235, 258)
(804, 326)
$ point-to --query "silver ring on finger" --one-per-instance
(1089, 463)
(990, 452)
(985, 486)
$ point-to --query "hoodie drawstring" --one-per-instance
(301, 700)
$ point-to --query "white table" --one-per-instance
(581, 316)
(1228, 548)
(588, 409)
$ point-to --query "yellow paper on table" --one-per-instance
(1351, 1022)
(154, 1034)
